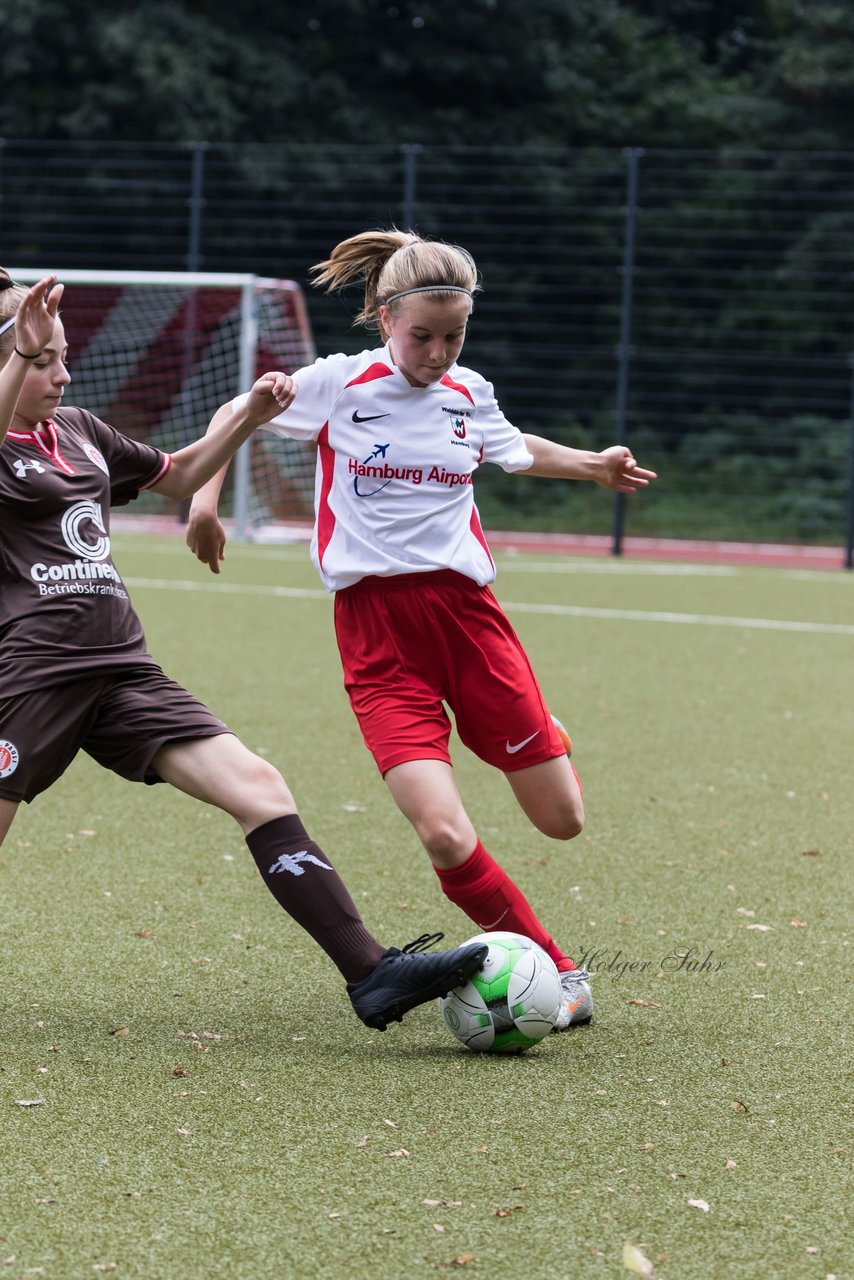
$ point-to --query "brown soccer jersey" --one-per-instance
(64, 610)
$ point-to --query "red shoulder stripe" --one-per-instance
(448, 381)
(372, 372)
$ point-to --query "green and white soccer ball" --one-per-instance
(510, 1003)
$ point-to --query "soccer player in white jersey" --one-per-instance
(75, 672)
(400, 431)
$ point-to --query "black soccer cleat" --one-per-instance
(404, 979)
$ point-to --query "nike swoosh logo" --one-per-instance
(571, 1008)
(494, 924)
(511, 751)
(367, 417)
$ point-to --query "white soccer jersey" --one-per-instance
(393, 490)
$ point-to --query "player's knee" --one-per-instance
(564, 822)
(442, 838)
(266, 789)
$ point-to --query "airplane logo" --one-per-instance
(380, 451)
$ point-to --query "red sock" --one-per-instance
(485, 892)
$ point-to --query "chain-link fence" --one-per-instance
(697, 305)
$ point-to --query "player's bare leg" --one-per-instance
(426, 793)
(222, 771)
(551, 797)
(8, 809)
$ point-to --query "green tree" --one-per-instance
(676, 73)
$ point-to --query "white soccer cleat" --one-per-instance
(577, 1000)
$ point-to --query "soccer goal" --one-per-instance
(155, 354)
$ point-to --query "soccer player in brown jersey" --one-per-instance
(75, 672)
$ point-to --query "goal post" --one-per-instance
(155, 353)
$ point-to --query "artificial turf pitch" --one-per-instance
(201, 1101)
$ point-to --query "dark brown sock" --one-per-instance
(303, 881)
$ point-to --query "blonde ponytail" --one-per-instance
(393, 263)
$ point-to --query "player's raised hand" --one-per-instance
(272, 393)
(36, 316)
(621, 471)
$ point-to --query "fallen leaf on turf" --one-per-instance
(29, 1102)
(363, 1142)
(761, 928)
(739, 1106)
(144, 933)
(730, 1164)
(799, 924)
(390, 1124)
(646, 1004)
(743, 911)
(185, 1133)
(401, 1152)
(121, 1031)
(700, 1204)
(180, 1072)
(437, 1226)
(811, 853)
(461, 1260)
(634, 1261)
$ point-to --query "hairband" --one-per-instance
(429, 288)
(6, 282)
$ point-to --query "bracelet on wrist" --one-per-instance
(26, 357)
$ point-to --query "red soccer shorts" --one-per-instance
(416, 644)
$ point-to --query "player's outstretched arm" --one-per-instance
(613, 468)
(205, 531)
(195, 465)
(34, 323)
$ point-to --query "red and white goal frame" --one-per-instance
(155, 353)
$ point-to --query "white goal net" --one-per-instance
(155, 354)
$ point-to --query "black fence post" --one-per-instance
(624, 350)
(193, 263)
(849, 534)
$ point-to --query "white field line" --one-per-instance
(556, 610)
(509, 563)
